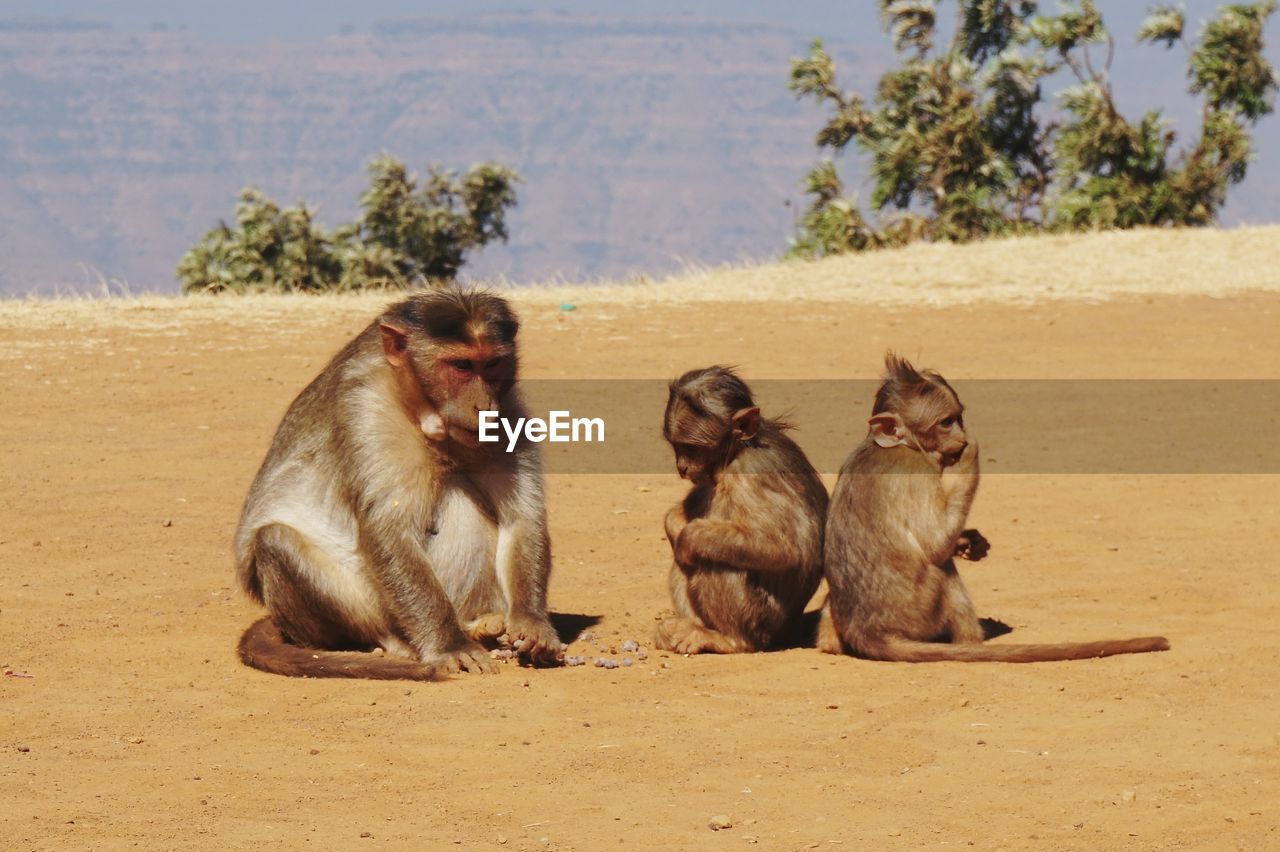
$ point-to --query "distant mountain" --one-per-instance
(644, 144)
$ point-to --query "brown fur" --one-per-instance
(895, 524)
(747, 540)
(378, 520)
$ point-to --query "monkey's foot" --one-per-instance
(829, 641)
(687, 637)
(486, 627)
(535, 639)
(471, 657)
(392, 646)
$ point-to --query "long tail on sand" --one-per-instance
(909, 651)
(263, 647)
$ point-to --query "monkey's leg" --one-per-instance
(961, 618)
(307, 604)
(689, 634)
(688, 637)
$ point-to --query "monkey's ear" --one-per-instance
(887, 430)
(746, 423)
(395, 342)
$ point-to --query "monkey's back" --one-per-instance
(773, 486)
(296, 484)
(881, 580)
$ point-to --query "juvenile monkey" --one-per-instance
(895, 524)
(379, 520)
(747, 540)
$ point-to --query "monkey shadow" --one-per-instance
(570, 625)
(991, 628)
(804, 634)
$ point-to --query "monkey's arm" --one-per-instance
(675, 522)
(959, 484)
(705, 543)
(392, 513)
(411, 590)
(524, 566)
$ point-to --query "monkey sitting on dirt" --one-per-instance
(747, 539)
(895, 524)
(379, 520)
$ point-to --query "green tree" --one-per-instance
(428, 231)
(960, 148)
(404, 236)
(269, 249)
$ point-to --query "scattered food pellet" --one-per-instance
(720, 822)
(630, 646)
(24, 748)
(626, 661)
(575, 661)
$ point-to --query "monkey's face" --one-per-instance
(931, 423)
(940, 428)
(949, 439)
(698, 437)
(696, 463)
(465, 380)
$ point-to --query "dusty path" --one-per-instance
(127, 452)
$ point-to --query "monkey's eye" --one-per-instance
(465, 365)
(948, 422)
(491, 363)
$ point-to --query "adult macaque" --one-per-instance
(379, 520)
(747, 539)
(895, 524)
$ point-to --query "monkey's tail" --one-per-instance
(910, 651)
(263, 647)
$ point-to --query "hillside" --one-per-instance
(1026, 270)
(641, 143)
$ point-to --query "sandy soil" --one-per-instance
(131, 433)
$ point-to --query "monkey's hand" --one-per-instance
(686, 550)
(972, 545)
(534, 638)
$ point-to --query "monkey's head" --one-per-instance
(456, 351)
(710, 415)
(918, 409)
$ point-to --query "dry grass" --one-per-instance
(1088, 267)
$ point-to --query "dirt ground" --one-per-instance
(126, 719)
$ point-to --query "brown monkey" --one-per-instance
(379, 520)
(895, 524)
(747, 539)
